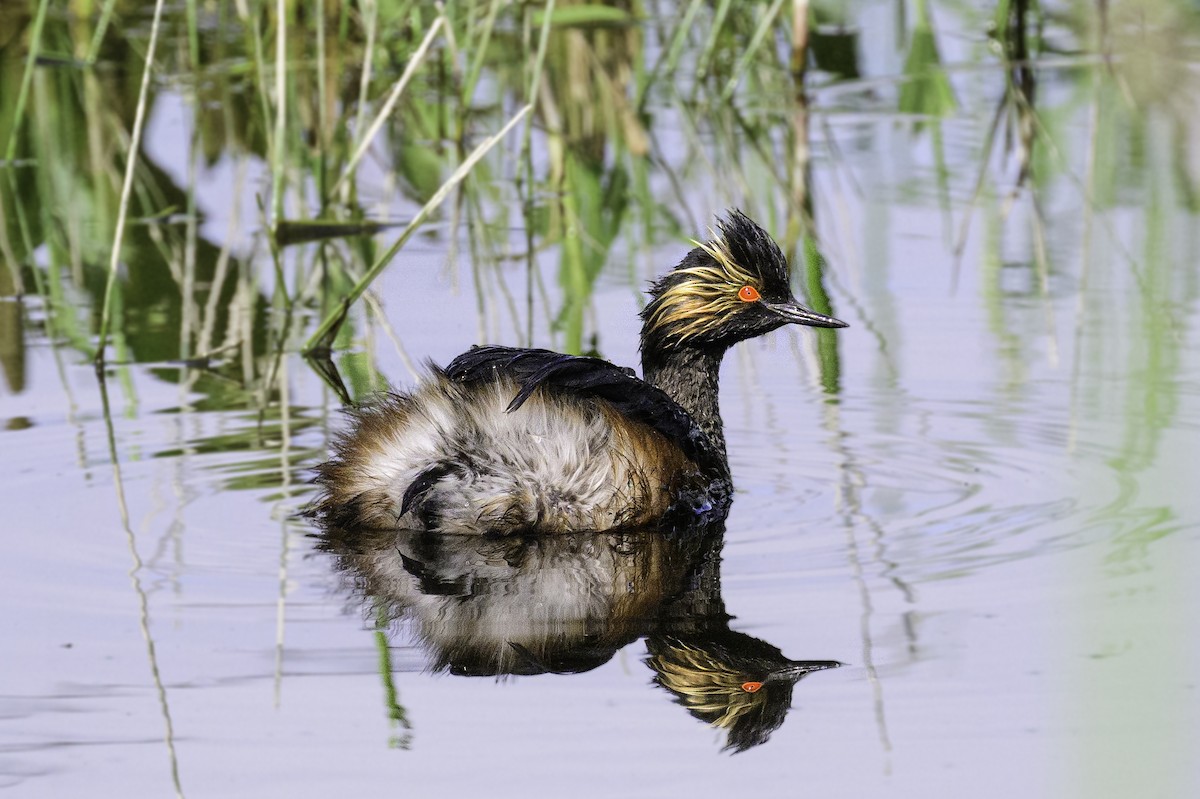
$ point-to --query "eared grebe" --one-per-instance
(507, 440)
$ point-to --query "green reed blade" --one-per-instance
(710, 44)
(414, 63)
(101, 29)
(35, 42)
(370, 22)
(818, 300)
(328, 328)
(589, 15)
(480, 53)
(756, 41)
(531, 95)
(669, 60)
(277, 151)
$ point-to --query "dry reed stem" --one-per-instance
(127, 186)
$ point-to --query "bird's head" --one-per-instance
(730, 680)
(731, 288)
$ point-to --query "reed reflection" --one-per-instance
(566, 604)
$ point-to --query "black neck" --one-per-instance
(690, 376)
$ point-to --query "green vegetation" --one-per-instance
(318, 100)
(344, 133)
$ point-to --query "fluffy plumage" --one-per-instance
(451, 456)
(511, 440)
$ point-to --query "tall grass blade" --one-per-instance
(414, 63)
(480, 53)
(35, 44)
(531, 95)
(703, 65)
(281, 72)
(371, 20)
(135, 144)
(670, 59)
(101, 29)
(324, 334)
(818, 300)
(926, 90)
(760, 35)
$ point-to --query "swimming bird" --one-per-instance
(523, 441)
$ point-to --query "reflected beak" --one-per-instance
(799, 668)
(795, 313)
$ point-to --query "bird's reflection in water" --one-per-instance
(730, 680)
(566, 604)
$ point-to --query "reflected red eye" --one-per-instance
(748, 294)
(751, 687)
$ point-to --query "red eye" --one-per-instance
(748, 294)
(751, 687)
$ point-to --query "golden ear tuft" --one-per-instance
(707, 292)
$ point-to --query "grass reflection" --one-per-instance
(253, 91)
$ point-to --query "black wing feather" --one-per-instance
(580, 375)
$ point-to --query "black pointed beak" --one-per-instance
(794, 313)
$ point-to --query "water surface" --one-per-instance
(980, 497)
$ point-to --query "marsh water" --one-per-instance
(980, 498)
